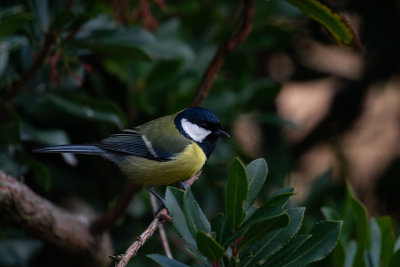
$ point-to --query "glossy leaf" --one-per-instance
(395, 260)
(361, 224)
(374, 251)
(262, 229)
(333, 22)
(236, 193)
(257, 171)
(42, 14)
(168, 49)
(49, 137)
(101, 111)
(196, 220)
(351, 252)
(330, 214)
(12, 22)
(289, 249)
(209, 247)
(174, 201)
(221, 228)
(264, 213)
(280, 197)
(125, 42)
(277, 238)
(324, 237)
(388, 239)
(339, 255)
(165, 261)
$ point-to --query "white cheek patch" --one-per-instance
(197, 133)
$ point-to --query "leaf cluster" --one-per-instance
(363, 241)
(248, 234)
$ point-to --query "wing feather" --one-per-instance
(131, 142)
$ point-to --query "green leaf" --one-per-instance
(351, 252)
(330, 214)
(11, 23)
(166, 262)
(388, 239)
(257, 174)
(395, 260)
(209, 247)
(338, 255)
(289, 248)
(195, 217)
(280, 197)
(42, 14)
(221, 227)
(374, 252)
(276, 239)
(174, 202)
(46, 137)
(98, 110)
(236, 193)
(397, 244)
(262, 229)
(67, 20)
(168, 50)
(120, 42)
(359, 214)
(324, 237)
(333, 22)
(263, 213)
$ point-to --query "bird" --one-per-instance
(167, 150)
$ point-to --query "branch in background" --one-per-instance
(245, 21)
(18, 86)
(107, 221)
(161, 229)
(122, 260)
(42, 219)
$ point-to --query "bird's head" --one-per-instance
(200, 125)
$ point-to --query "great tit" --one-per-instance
(160, 152)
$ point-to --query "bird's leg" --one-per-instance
(162, 200)
(182, 185)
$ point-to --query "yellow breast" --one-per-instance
(152, 173)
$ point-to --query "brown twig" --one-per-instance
(122, 260)
(40, 218)
(108, 220)
(245, 21)
(141, 240)
(161, 229)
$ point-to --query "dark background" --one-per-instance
(319, 113)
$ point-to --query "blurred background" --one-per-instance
(322, 115)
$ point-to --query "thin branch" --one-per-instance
(107, 221)
(245, 21)
(161, 229)
(40, 218)
(141, 240)
(122, 260)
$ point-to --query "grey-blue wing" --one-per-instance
(132, 143)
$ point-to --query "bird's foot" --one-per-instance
(160, 198)
(182, 185)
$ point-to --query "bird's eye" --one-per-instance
(203, 125)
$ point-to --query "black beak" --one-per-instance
(222, 133)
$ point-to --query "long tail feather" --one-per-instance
(76, 149)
